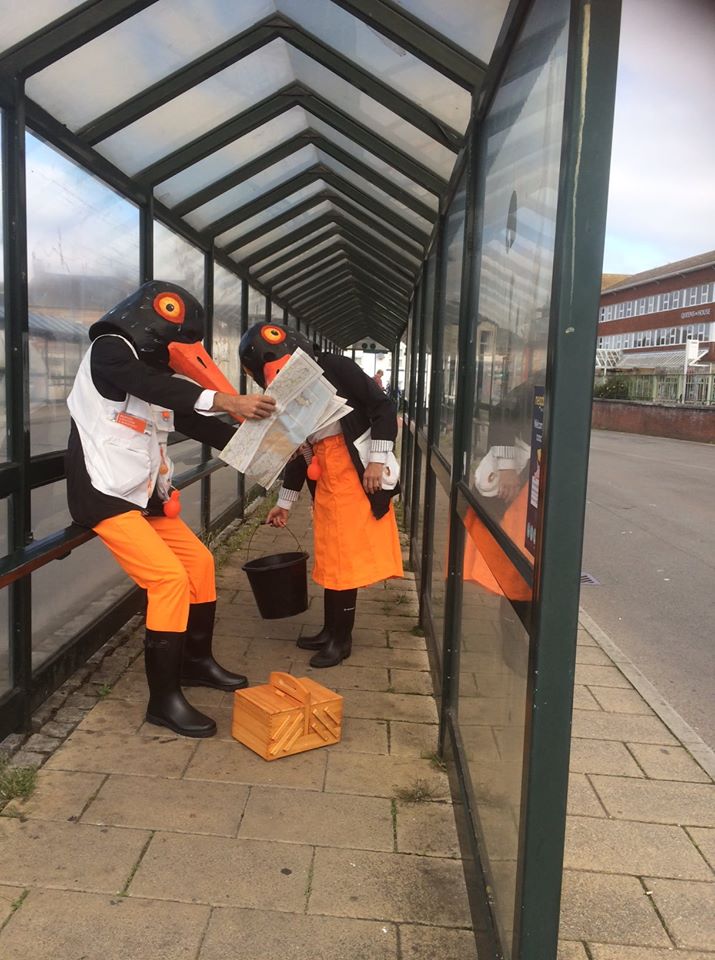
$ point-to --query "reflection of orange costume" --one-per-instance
(484, 560)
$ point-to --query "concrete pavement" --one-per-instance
(141, 845)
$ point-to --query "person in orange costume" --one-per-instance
(355, 532)
(124, 403)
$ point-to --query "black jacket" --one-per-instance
(371, 409)
(116, 372)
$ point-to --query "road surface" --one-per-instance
(650, 541)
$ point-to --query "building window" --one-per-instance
(673, 334)
(600, 343)
(662, 336)
(629, 308)
(620, 310)
(639, 339)
(648, 338)
(701, 332)
(676, 298)
(641, 306)
(665, 301)
(705, 295)
(602, 314)
(651, 305)
(609, 312)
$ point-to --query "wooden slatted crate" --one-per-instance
(287, 715)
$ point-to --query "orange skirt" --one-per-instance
(352, 548)
(484, 560)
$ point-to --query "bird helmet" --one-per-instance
(165, 323)
(267, 347)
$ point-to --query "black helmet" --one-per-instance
(154, 316)
(266, 347)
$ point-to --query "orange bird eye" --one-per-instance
(170, 306)
(273, 334)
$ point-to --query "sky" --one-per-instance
(662, 188)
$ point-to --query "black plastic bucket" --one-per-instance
(279, 583)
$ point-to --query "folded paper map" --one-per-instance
(305, 403)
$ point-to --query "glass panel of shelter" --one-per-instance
(516, 249)
(227, 299)
(83, 257)
(279, 232)
(19, 23)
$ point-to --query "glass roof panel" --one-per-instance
(385, 229)
(270, 212)
(21, 20)
(371, 190)
(295, 263)
(263, 182)
(137, 53)
(197, 111)
(378, 232)
(368, 158)
(262, 264)
(232, 156)
(302, 288)
(382, 58)
(299, 221)
(371, 114)
(475, 30)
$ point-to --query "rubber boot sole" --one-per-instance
(198, 735)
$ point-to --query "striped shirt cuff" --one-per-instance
(381, 446)
(286, 497)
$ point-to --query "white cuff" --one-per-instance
(377, 456)
(504, 464)
(381, 446)
(205, 401)
(286, 498)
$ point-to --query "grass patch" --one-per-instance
(419, 792)
(435, 760)
(104, 690)
(224, 547)
(16, 783)
(417, 631)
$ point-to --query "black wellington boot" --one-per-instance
(168, 707)
(198, 668)
(319, 639)
(340, 640)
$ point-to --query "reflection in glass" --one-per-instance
(3, 397)
(523, 140)
(178, 261)
(68, 594)
(425, 359)
(440, 550)
(83, 257)
(187, 456)
(453, 249)
(224, 490)
(5, 665)
(515, 274)
(226, 338)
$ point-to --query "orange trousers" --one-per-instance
(164, 557)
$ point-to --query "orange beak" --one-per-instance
(192, 361)
(271, 369)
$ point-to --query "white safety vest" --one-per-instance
(124, 441)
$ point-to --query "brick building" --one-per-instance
(646, 320)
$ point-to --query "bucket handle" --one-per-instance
(259, 525)
(288, 685)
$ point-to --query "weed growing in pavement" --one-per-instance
(435, 759)
(104, 690)
(16, 783)
(419, 792)
(417, 631)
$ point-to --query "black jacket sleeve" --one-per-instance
(363, 394)
(117, 372)
(211, 430)
(295, 473)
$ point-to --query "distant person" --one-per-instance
(378, 378)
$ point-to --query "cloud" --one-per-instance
(662, 200)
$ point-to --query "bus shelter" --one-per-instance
(430, 178)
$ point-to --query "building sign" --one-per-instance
(689, 314)
(537, 441)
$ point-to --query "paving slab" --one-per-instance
(218, 871)
(623, 727)
(231, 762)
(595, 676)
(161, 755)
(582, 798)
(606, 907)
(183, 805)
(602, 756)
(436, 943)
(67, 855)
(363, 736)
(668, 763)
(622, 846)
(406, 641)
(427, 829)
(657, 801)
(414, 739)
(347, 677)
(59, 795)
(704, 838)
(583, 698)
(688, 911)
(9, 901)
(269, 935)
(601, 951)
(391, 706)
(571, 950)
(60, 925)
(320, 819)
(621, 701)
(389, 657)
(393, 886)
(378, 776)
(412, 681)
(112, 715)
